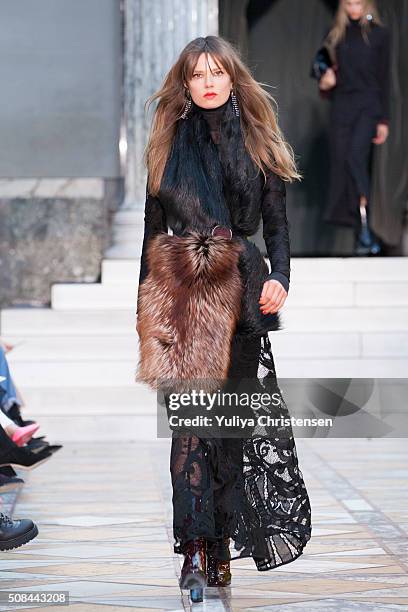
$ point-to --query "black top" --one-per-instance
(273, 207)
(365, 68)
(212, 116)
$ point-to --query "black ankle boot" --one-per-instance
(15, 533)
(218, 571)
(194, 570)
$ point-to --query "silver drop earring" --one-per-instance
(187, 105)
(234, 103)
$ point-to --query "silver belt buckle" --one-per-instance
(222, 230)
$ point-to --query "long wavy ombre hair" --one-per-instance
(263, 138)
(341, 19)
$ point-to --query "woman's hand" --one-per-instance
(328, 80)
(273, 297)
(382, 134)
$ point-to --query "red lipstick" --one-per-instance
(210, 95)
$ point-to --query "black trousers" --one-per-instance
(353, 124)
(203, 487)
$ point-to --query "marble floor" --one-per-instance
(104, 518)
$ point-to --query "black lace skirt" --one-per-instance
(249, 489)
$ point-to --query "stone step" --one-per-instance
(94, 296)
(349, 269)
(341, 368)
(314, 282)
(116, 428)
(73, 348)
(292, 345)
(137, 400)
(378, 344)
(78, 373)
(285, 344)
(119, 271)
(43, 321)
(83, 297)
(386, 293)
(75, 363)
(121, 373)
(347, 294)
(351, 319)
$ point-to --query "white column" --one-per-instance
(155, 33)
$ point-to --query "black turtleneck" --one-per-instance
(212, 116)
(364, 68)
(273, 207)
(216, 110)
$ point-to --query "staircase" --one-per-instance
(75, 364)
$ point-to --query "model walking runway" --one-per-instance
(217, 164)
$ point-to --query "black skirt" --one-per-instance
(248, 489)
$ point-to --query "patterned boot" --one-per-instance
(194, 570)
(219, 572)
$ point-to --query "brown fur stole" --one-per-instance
(188, 308)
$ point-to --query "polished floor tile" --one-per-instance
(105, 533)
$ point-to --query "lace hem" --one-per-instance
(249, 489)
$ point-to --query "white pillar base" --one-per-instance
(127, 234)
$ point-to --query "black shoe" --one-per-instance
(23, 458)
(19, 456)
(36, 445)
(37, 439)
(6, 470)
(362, 250)
(8, 483)
(367, 243)
(53, 448)
(14, 414)
(15, 533)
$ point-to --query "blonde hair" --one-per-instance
(341, 20)
(263, 138)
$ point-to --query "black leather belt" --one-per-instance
(217, 230)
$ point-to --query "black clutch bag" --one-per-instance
(321, 62)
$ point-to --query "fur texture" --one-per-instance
(254, 272)
(189, 305)
(204, 184)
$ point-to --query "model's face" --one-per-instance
(210, 85)
(354, 8)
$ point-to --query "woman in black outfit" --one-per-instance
(248, 489)
(358, 86)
